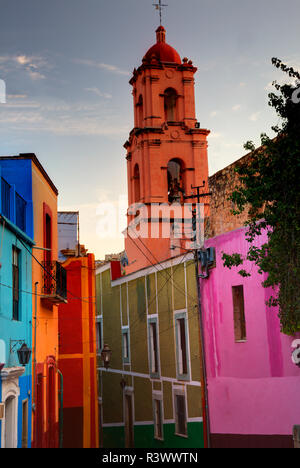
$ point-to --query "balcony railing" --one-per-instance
(55, 282)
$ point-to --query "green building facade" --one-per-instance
(151, 394)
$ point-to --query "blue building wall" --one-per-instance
(25, 383)
(18, 174)
(0, 400)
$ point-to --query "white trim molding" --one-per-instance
(10, 392)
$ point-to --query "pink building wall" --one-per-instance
(253, 386)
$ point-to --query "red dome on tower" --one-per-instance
(162, 51)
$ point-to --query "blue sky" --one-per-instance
(67, 63)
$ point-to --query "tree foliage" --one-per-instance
(269, 187)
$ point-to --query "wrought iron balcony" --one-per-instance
(55, 282)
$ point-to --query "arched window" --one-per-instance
(137, 188)
(170, 99)
(140, 111)
(175, 180)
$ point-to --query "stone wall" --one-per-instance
(222, 184)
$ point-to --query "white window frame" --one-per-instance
(158, 397)
(11, 389)
(179, 391)
(179, 315)
(126, 332)
(99, 320)
(155, 374)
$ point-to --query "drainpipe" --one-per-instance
(34, 360)
(61, 414)
(34, 347)
(202, 349)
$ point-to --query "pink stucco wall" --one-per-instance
(253, 386)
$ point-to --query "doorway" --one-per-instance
(25, 423)
(129, 436)
(9, 434)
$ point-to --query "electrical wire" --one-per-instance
(170, 278)
(49, 274)
(154, 265)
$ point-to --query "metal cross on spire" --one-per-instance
(159, 6)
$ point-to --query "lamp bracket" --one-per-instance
(14, 343)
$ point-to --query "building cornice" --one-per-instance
(10, 373)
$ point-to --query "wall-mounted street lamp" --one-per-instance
(23, 352)
(106, 355)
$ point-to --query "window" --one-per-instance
(25, 423)
(16, 282)
(99, 335)
(47, 252)
(136, 177)
(20, 212)
(129, 419)
(170, 98)
(153, 347)
(5, 198)
(239, 313)
(158, 416)
(100, 413)
(140, 111)
(181, 346)
(125, 345)
(175, 181)
(180, 413)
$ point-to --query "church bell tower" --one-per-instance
(166, 151)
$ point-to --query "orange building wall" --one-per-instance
(154, 142)
(46, 350)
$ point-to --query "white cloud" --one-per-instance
(104, 66)
(236, 107)
(23, 60)
(35, 75)
(99, 93)
(254, 117)
(17, 96)
(11, 104)
(34, 66)
(215, 135)
(214, 113)
(61, 119)
(92, 215)
(270, 87)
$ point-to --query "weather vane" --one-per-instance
(159, 6)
